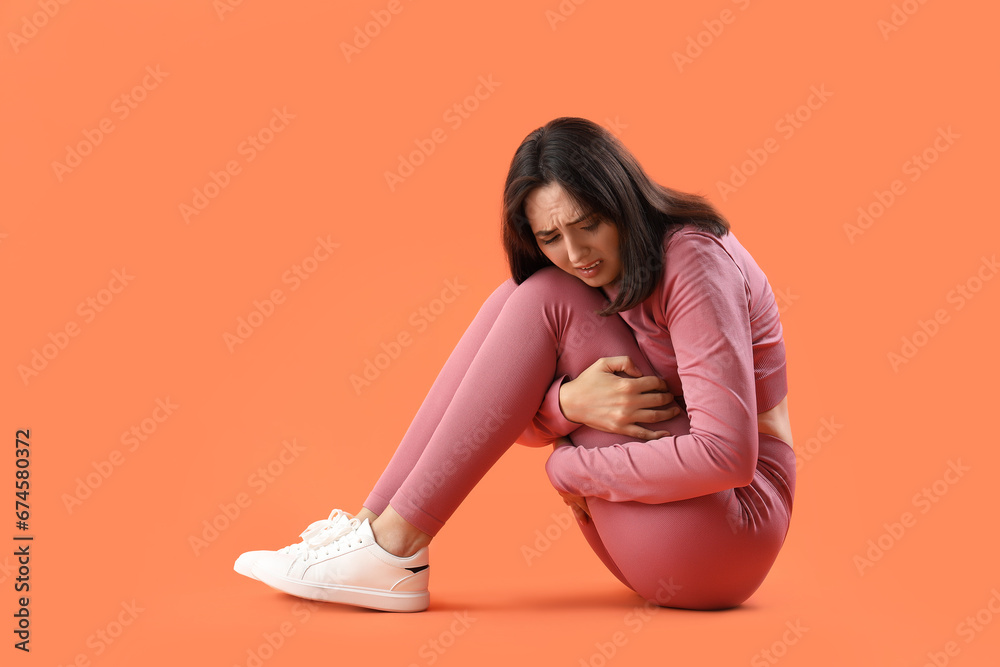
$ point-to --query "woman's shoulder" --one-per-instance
(694, 255)
(690, 243)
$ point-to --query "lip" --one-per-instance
(581, 268)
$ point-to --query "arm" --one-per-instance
(705, 300)
(601, 399)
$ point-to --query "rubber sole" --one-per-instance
(369, 598)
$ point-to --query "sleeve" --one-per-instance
(549, 422)
(706, 307)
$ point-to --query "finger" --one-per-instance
(629, 367)
(640, 433)
(653, 384)
(654, 401)
(651, 416)
(621, 364)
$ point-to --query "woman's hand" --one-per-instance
(608, 402)
(576, 503)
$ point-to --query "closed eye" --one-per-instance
(590, 228)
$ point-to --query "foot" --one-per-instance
(350, 569)
(318, 532)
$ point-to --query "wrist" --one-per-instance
(566, 401)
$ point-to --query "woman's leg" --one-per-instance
(710, 552)
(545, 327)
(436, 402)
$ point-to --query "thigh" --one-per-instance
(710, 552)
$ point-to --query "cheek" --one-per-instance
(610, 243)
(552, 253)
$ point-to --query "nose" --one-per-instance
(576, 251)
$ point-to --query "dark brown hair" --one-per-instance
(603, 178)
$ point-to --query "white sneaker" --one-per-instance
(317, 533)
(350, 569)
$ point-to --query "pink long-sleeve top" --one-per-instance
(711, 330)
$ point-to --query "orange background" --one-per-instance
(846, 305)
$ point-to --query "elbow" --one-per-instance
(743, 476)
(736, 476)
(532, 438)
(744, 464)
(735, 460)
(536, 435)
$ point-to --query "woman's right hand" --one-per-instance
(608, 402)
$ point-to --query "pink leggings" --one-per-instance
(708, 552)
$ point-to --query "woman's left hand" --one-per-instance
(576, 503)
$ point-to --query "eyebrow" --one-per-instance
(546, 232)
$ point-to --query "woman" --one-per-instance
(624, 295)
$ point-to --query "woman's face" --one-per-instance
(583, 247)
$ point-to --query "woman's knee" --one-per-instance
(553, 286)
(501, 293)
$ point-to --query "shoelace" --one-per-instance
(321, 532)
(334, 541)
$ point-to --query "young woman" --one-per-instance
(640, 339)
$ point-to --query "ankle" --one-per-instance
(398, 545)
(365, 513)
(397, 536)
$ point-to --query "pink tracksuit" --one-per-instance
(694, 519)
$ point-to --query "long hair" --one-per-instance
(602, 177)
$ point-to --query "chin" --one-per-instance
(596, 282)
